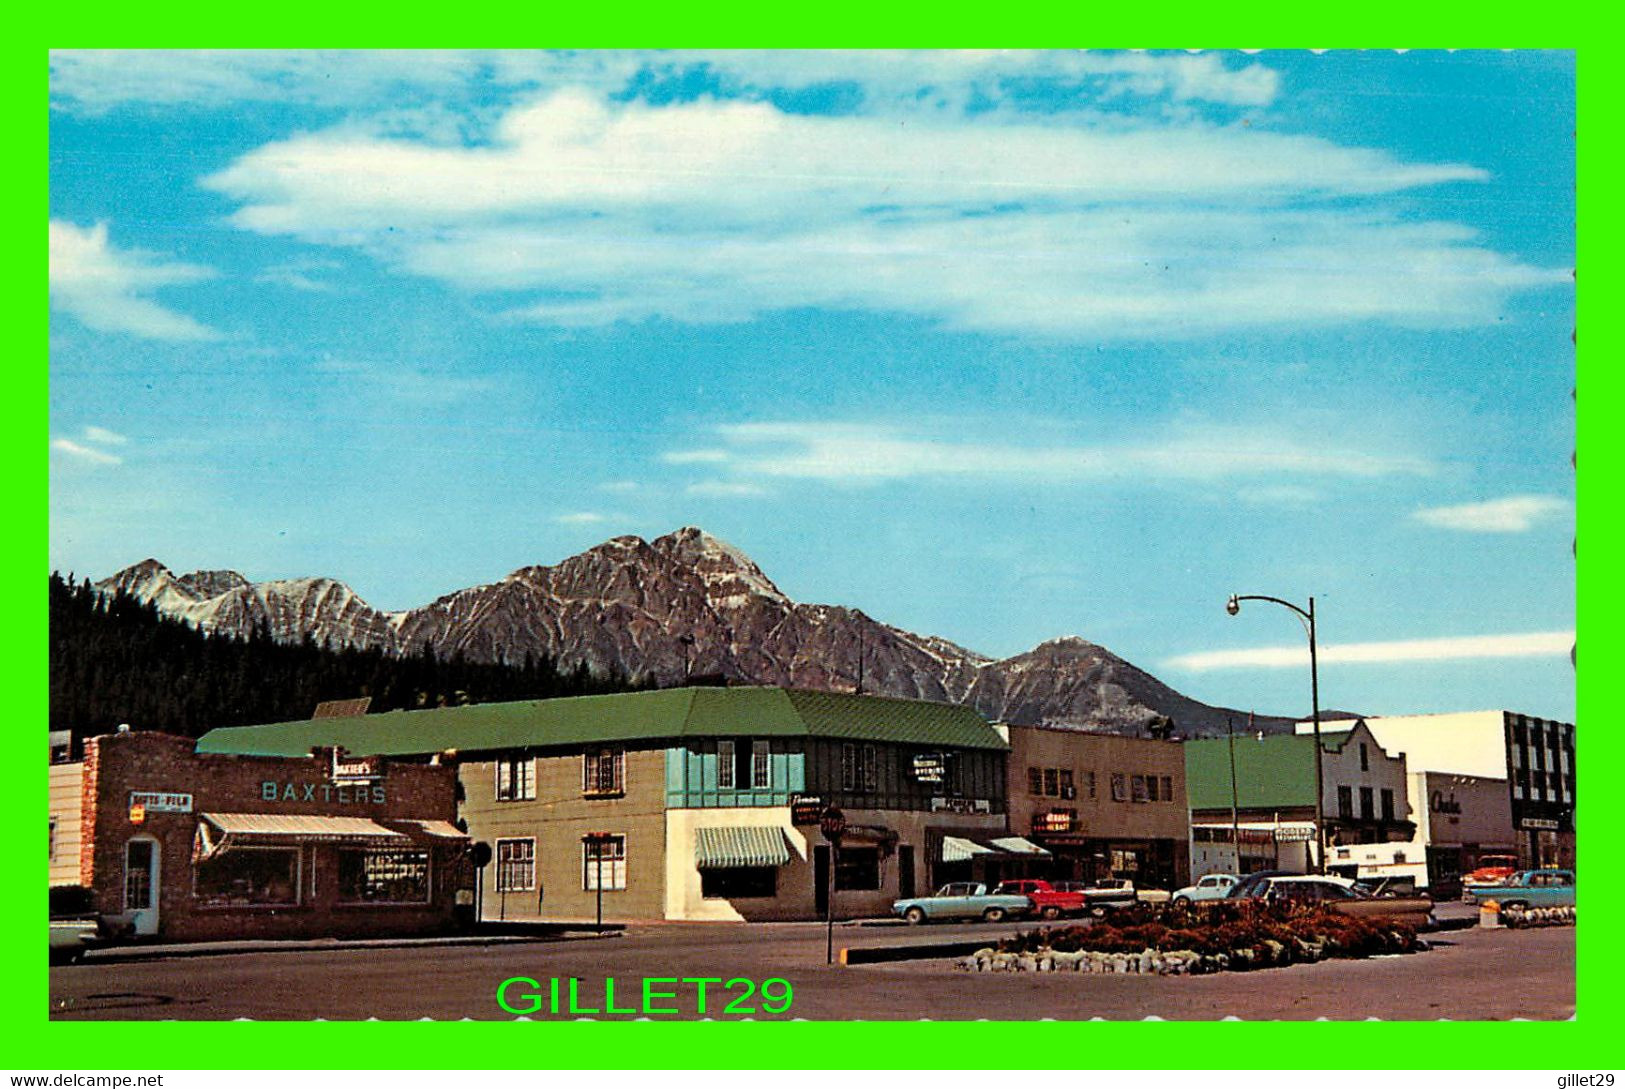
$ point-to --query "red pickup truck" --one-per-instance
(1047, 900)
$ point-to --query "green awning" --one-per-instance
(731, 848)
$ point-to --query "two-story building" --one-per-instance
(697, 803)
(1260, 789)
(1532, 758)
(1102, 805)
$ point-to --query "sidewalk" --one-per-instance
(494, 934)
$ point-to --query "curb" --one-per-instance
(123, 953)
(881, 954)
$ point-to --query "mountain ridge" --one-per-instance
(683, 605)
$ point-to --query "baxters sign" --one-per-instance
(355, 769)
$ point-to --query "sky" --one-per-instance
(994, 346)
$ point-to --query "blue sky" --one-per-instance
(996, 346)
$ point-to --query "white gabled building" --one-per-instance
(1528, 761)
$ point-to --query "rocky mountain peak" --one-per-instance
(211, 583)
(730, 576)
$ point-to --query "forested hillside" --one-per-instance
(115, 660)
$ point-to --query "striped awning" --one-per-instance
(730, 848)
(432, 829)
(959, 849)
(299, 826)
(1017, 846)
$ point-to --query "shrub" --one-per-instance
(1247, 934)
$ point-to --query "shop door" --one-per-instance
(141, 884)
(821, 879)
(905, 872)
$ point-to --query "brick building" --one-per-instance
(187, 846)
(1102, 805)
(697, 803)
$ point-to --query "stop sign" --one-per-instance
(832, 824)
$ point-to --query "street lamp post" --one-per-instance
(1233, 606)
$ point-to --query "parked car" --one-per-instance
(72, 939)
(1214, 886)
(1531, 889)
(1492, 870)
(1048, 900)
(1101, 896)
(1337, 893)
(963, 900)
(75, 926)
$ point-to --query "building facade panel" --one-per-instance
(66, 793)
(562, 810)
(1102, 804)
(159, 851)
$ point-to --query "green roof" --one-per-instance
(668, 714)
(1273, 772)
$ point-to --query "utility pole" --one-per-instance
(860, 660)
(1235, 812)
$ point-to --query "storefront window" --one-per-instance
(603, 857)
(248, 877)
(743, 883)
(516, 865)
(857, 869)
(391, 877)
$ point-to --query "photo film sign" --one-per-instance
(159, 801)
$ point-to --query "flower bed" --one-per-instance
(1218, 937)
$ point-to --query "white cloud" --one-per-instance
(852, 452)
(299, 275)
(725, 489)
(1280, 495)
(718, 211)
(103, 435)
(93, 81)
(710, 456)
(1513, 514)
(581, 518)
(1545, 644)
(107, 288)
(85, 453)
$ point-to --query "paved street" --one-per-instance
(1470, 975)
